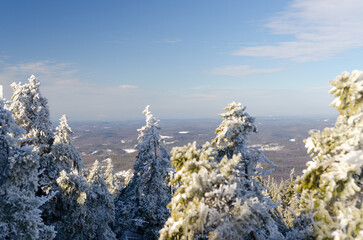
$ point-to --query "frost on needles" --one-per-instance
(20, 216)
(331, 187)
(218, 197)
(141, 205)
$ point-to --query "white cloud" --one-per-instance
(172, 41)
(68, 92)
(127, 86)
(321, 28)
(241, 70)
(200, 87)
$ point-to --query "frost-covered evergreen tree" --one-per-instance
(295, 224)
(77, 219)
(141, 206)
(63, 148)
(219, 198)
(31, 113)
(63, 157)
(331, 187)
(101, 203)
(19, 207)
(113, 184)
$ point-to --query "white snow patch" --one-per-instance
(124, 173)
(130, 150)
(106, 160)
(166, 137)
(326, 120)
(269, 147)
(167, 143)
(93, 153)
(109, 150)
(75, 137)
(292, 140)
(183, 132)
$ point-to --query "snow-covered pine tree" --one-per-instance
(31, 113)
(332, 185)
(141, 205)
(101, 203)
(19, 207)
(113, 184)
(63, 148)
(63, 157)
(295, 224)
(219, 197)
(77, 220)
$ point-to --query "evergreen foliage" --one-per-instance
(76, 221)
(63, 148)
(63, 157)
(331, 186)
(113, 184)
(219, 198)
(31, 113)
(294, 223)
(20, 216)
(141, 205)
(101, 204)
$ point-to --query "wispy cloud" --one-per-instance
(172, 41)
(241, 70)
(200, 87)
(321, 28)
(128, 86)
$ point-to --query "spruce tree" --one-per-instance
(141, 205)
(63, 149)
(19, 207)
(101, 202)
(219, 196)
(77, 220)
(31, 113)
(331, 187)
(63, 157)
(113, 184)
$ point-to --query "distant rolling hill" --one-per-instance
(280, 138)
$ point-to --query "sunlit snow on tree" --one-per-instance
(20, 216)
(141, 205)
(218, 197)
(331, 186)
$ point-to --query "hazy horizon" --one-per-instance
(107, 60)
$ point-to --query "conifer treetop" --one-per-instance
(30, 111)
(64, 132)
(149, 131)
(235, 127)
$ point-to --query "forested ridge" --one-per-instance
(212, 190)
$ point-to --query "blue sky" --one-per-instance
(107, 60)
